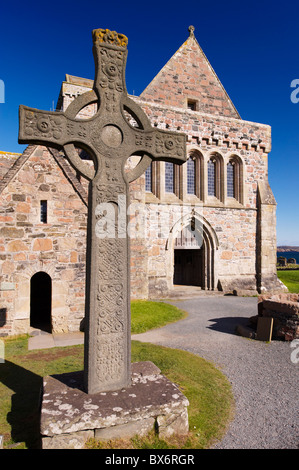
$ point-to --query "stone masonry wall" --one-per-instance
(28, 246)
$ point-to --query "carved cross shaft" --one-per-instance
(110, 140)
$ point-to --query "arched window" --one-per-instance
(195, 174)
(231, 179)
(148, 179)
(169, 177)
(191, 175)
(234, 178)
(212, 177)
(172, 179)
(215, 177)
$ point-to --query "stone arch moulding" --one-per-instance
(213, 153)
(36, 268)
(210, 243)
(233, 155)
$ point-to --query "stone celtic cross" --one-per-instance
(110, 139)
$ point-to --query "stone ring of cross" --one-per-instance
(111, 135)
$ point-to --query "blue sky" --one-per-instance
(252, 46)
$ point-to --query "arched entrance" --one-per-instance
(188, 258)
(194, 253)
(41, 301)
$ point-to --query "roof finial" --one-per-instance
(191, 31)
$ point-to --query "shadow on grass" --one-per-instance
(24, 416)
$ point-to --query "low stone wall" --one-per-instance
(284, 309)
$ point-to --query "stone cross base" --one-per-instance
(69, 416)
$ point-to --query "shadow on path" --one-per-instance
(228, 324)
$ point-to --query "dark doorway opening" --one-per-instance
(188, 267)
(41, 301)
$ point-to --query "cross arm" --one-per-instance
(42, 127)
(161, 145)
(55, 129)
(157, 144)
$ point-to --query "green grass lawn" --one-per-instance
(149, 315)
(207, 389)
(290, 279)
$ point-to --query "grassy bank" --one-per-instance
(290, 279)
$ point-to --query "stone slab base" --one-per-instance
(69, 416)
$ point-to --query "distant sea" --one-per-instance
(289, 254)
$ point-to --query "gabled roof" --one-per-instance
(7, 159)
(188, 76)
(60, 160)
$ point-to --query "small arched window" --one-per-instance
(43, 211)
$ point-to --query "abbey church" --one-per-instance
(210, 222)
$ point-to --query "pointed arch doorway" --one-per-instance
(41, 301)
(194, 256)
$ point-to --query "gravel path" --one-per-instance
(263, 376)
